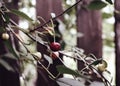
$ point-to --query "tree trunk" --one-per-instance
(117, 41)
(44, 9)
(89, 24)
(8, 78)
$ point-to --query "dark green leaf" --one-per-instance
(10, 48)
(8, 55)
(6, 65)
(96, 5)
(108, 71)
(6, 17)
(2, 30)
(65, 70)
(21, 14)
(106, 15)
(109, 1)
(96, 62)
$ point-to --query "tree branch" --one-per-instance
(56, 16)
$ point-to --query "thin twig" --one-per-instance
(105, 81)
(56, 16)
(35, 57)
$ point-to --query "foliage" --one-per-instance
(21, 14)
(96, 5)
(92, 65)
(109, 1)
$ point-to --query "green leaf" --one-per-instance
(100, 61)
(10, 48)
(6, 17)
(6, 65)
(97, 5)
(65, 70)
(2, 30)
(109, 1)
(106, 15)
(8, 55)
(96, 62)
(21, 14)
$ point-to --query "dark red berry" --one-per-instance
(55, 46)
(54, 55)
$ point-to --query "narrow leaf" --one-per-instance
(21, 14)
(9, 55)
(96, 62)
(65, 70)
(6, 65)
(6, 17)
(97, 5)
(106, 15)
(10, 48)
(109, 1)
(2, 30)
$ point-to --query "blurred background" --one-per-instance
(94, 29)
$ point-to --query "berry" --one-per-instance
(54, 55)
(5, 36)
(55, 46)
(101, 67)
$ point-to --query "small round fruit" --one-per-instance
(5, 36)
(104, 63)
(55, 46)
(101, 67)
(54, 55)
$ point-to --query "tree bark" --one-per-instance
(89, 24)
(117, 41)
(44, 9)
(8, 78)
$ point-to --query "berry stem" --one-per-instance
(57, 16)
(54, 40)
